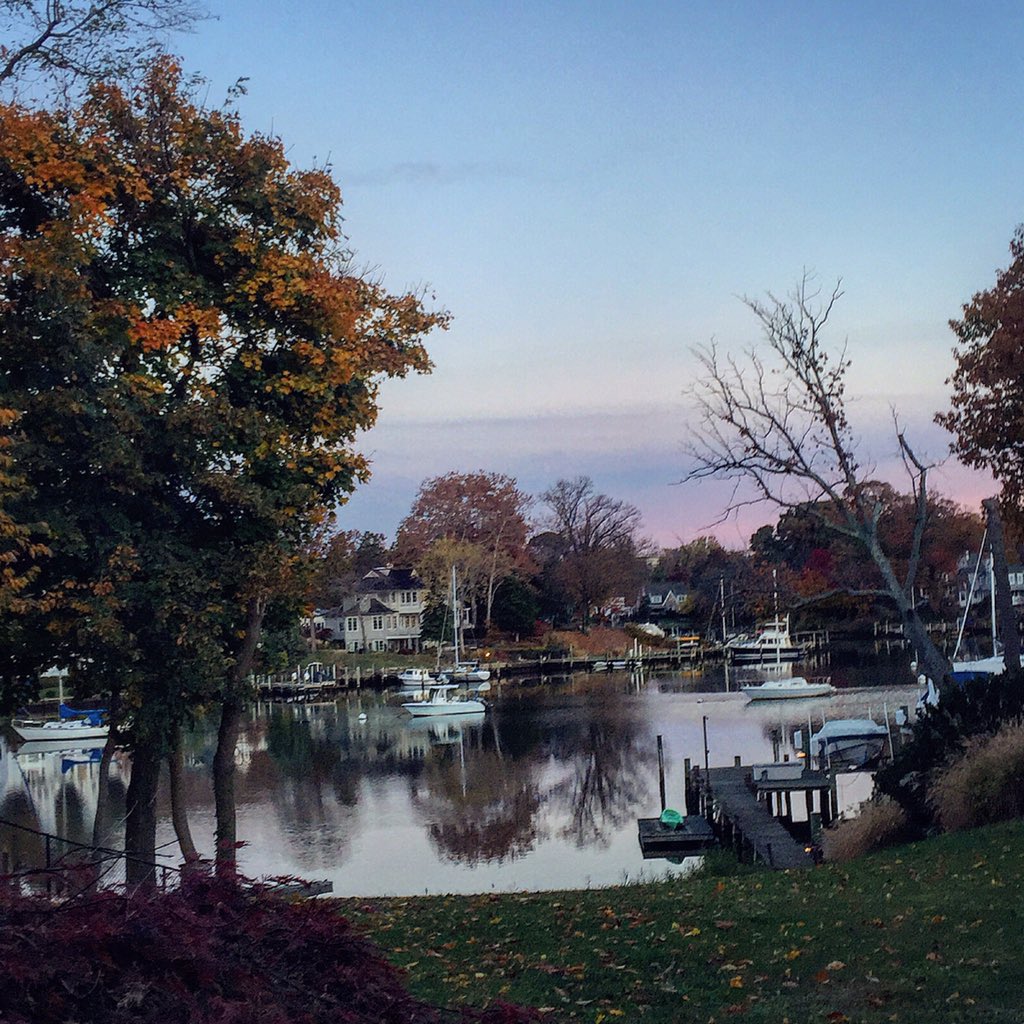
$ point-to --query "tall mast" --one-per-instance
(778, 632)
(456, 618)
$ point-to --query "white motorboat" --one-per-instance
(771, 643)
(789, 689)
(849, 742)
(417, 678)
(468, 672)
(444, 699)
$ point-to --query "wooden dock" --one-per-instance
(751, 816)
(693, 835)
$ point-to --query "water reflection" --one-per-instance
(541, 792)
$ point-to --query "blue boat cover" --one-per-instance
(94, 716)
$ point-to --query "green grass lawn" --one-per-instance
(928, 932)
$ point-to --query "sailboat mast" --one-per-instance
(778, 633)
(456, 618)
(992, 590)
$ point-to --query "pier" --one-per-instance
(750, 809)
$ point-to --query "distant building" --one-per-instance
(666, 597)
(384, 612)
(982, 590)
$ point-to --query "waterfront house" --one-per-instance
(384, 612)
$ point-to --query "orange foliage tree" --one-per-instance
(190, 359)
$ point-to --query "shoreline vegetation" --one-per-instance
(923, 932)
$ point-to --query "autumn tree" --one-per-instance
(986, 417)
(190, 359)
(600, 543)
(776, 425)
(342, 558)
(483, 509)
(707, 569)
(67, 42)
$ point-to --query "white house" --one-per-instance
(384, 612)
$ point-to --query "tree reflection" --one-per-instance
(609, 761)
(480, 806)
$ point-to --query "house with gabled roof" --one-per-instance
(384, 612)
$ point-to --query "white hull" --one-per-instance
(851, 742)
(417, 679)
(422, 708)
(788, 689)
(68, 733)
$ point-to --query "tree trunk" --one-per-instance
(179, 812)
(931, 660)
(140, 824)
(99, 821)
(1006, 616)
(227, 741)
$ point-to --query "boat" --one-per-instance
(416, 678)
(444, 699)
(771, 643)
(461, 671)
(849, 742)
(789, 689)
(70, 728)
(467, 672)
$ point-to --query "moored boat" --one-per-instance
(849, 742)
(789, 689)
(772, 642)
(444, 699)
(417, 678)
(71, 727)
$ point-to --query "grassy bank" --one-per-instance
(928, 932)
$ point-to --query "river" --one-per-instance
(541, 792)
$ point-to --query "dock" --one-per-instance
(691, 836)
(750, 810)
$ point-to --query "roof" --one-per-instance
(388, 577)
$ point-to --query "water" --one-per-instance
(542, 792)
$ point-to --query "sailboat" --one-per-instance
(462, 671)
(991, 666)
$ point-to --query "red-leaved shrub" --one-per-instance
(212, 953)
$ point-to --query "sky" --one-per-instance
(592, 188)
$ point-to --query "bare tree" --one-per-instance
(599, 537)
(777, 424)
(69, 42)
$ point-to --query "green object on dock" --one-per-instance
(671, 818)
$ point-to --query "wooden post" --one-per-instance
(686, 785)
(661, 771)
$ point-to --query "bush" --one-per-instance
(978, 708)
(210, 952)
(984, 785)
(880, 822)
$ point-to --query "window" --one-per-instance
(352, 624)
(377, 623)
